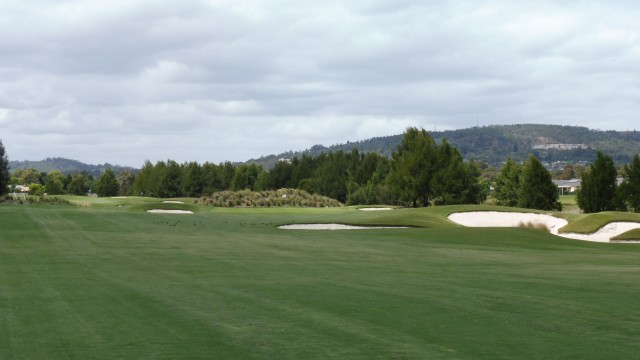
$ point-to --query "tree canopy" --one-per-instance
(631, 184)
(107, 184)
(598, 187)
(4, 170)
(537, 190)
(424, 172)
(507, 190)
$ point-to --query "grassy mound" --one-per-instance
(633, 235)
(590, 223)
(277, 198)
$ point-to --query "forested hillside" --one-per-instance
(66, 166)
(493, 144)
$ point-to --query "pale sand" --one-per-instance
(553, 224)
(334, 227)
(172, 202)
(375, 209)
(160, 211)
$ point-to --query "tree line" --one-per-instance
(420, 172)
(83, 183)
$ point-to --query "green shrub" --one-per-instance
(280, 197)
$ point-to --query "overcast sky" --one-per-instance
(214, 80)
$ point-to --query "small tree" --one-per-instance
(125, 182)
(77, 186)
(412, 168)
(537, 190)
(598, 187)
(631, 185)
(107, 185)
(54, 182)
(4, 170)
(36, 189)
(507, 190)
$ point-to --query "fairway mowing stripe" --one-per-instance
(335, 227)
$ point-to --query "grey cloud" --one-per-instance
(236, 79)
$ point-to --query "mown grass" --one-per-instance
(116, 282)
(590, 223)
(632, 235)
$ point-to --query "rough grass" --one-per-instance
(116, 282)
(38, 200)
(277, 198)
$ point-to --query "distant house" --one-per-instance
(571, 186)
(567, 186)
(21, 189)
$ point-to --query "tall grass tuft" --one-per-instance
(533, 225)
(272, 198)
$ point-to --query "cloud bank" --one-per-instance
(217, 80)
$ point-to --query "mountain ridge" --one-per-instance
(492, 144)
(66, 166)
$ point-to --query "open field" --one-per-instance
(112, 281)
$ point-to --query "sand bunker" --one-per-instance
(553, 224)
(161, 211)
(172, 202)
(376, 209)
(335, 227)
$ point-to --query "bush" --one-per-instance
(281, 197)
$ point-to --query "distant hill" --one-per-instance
(66, 166)
(493, 144)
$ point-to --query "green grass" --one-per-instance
(590, 223)
(112, 281)
(632, 235)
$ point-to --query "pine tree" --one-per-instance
(4, 170)
(631, 184)
(107, 185)
(507, 189)
(598, 186)
(412, 167)
(537, 190)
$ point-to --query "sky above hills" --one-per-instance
(214, 80)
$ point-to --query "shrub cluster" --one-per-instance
(272, 198)
(48, 200)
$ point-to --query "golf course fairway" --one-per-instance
(109, 281)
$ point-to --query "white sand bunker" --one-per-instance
(335, 227)
(161, 211)
(172, 202)
(376, 209)
(551, 223)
